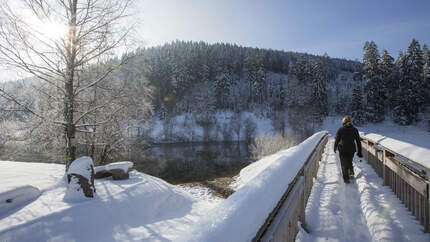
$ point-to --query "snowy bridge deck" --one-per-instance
(364, 210)
(387, 201)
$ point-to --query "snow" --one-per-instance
(415, 153)
(44, 176)
(260, 188)
(122, 165)
(140, 208)
(149, 209)
(17, 197)
(363, 210)
(81, 166)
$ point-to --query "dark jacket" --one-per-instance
(345, 137)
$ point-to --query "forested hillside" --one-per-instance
(235, 78)
(199, 80)
(204, 92)
(190, 77)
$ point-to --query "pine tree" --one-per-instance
(222, 89)
(259, 84)
(251, 70)
(426, 74)
(319, 92)
(413, 84)
(389, 79)
(374, 88)
(400, 111)
(357, 113)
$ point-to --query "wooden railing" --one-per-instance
(408, 180)
(282, 222)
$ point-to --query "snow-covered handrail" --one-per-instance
(418, 157)
(405, 168)
(271, 203)
(282, 222)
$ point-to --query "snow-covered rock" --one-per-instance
(118, 170)
(122, 165)
(80, 177)
(83, 166)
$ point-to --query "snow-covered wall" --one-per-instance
(239, 217)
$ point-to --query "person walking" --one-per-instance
(347, 139)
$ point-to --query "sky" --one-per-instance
(336, 27)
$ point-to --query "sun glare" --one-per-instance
(52, 30)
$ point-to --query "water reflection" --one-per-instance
(192, 162)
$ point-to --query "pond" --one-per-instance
(192, 162)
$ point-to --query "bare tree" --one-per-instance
(94, 29)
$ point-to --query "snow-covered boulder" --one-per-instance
(80, 177)
(118, 170)
(101, 172)
(17, 197)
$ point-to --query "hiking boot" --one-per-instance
(346, 181)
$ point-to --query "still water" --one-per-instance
(192, 162)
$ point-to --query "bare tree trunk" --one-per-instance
(69, 99)
(64, 64)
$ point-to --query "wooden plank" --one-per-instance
(411, 199)
(413, 180)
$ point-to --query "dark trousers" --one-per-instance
(346, 163)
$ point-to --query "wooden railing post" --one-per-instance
(427, 228)
(384, 167)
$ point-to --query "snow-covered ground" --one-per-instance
(363, 210)
(140, 208)
(147, 208)
(144, 207)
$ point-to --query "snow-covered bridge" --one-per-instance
(368, 209)
(287, 197)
